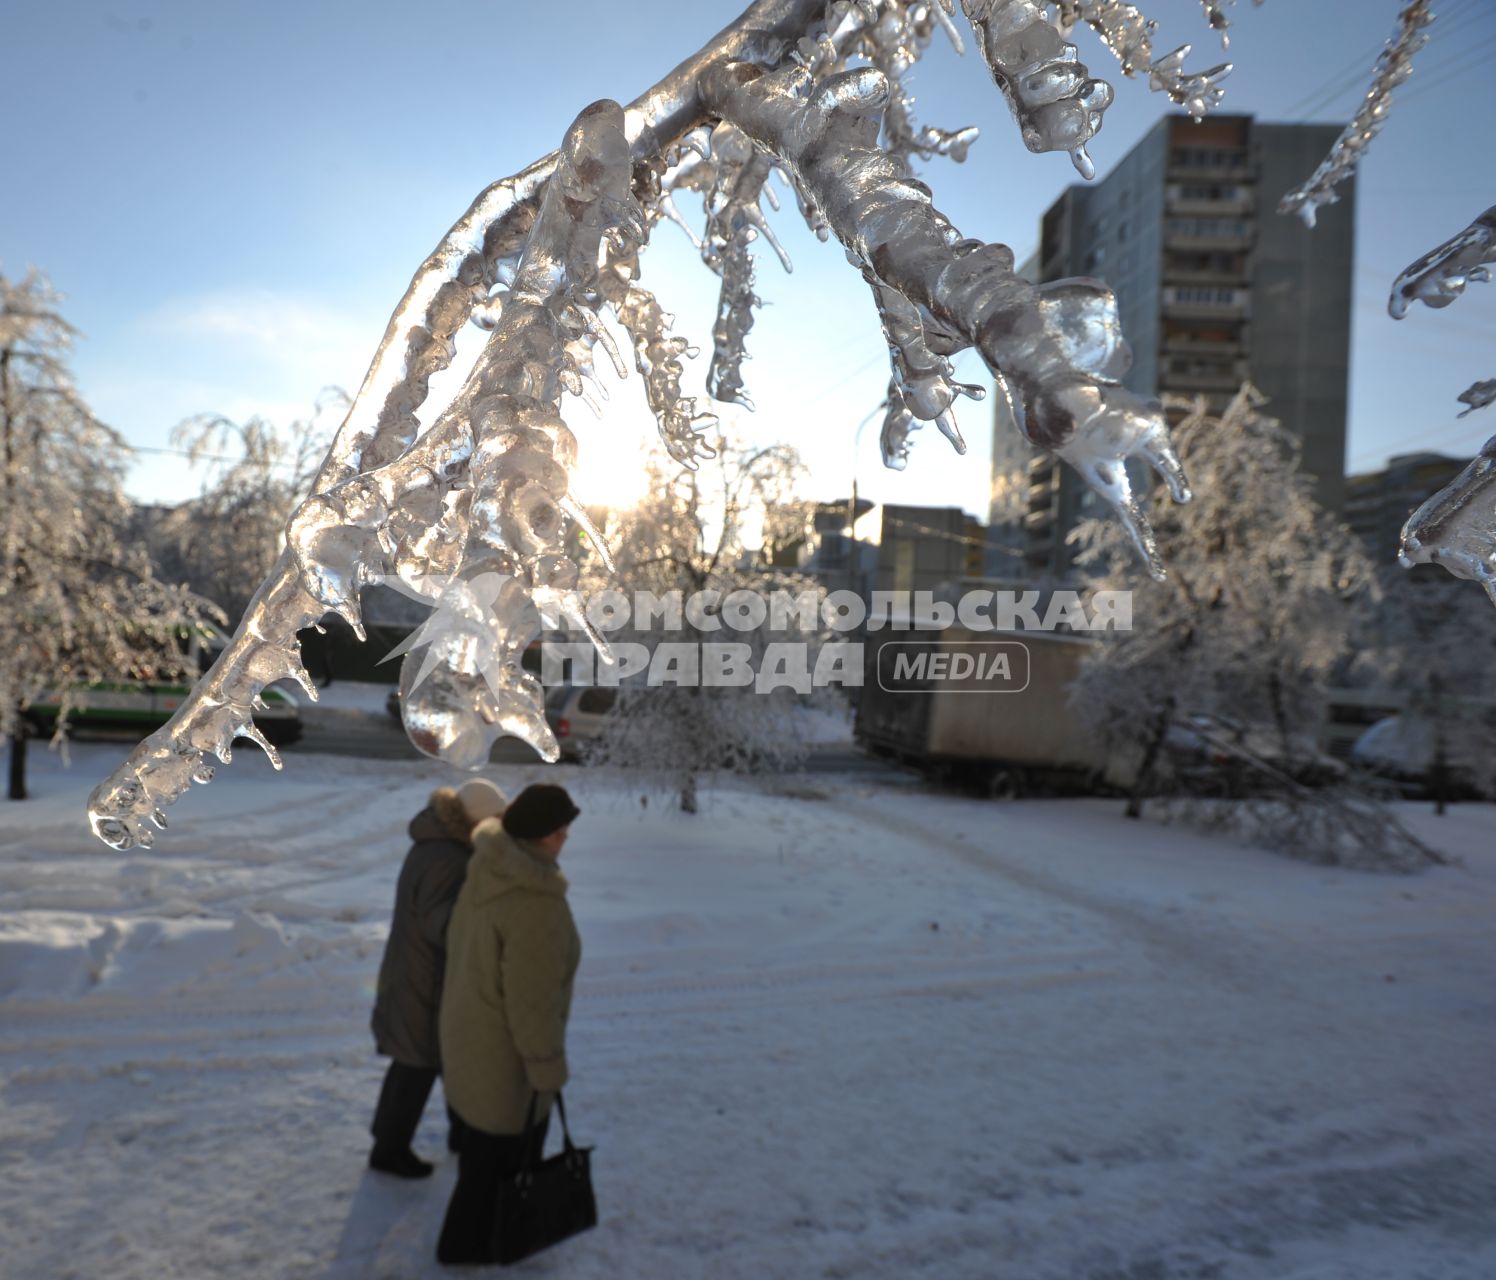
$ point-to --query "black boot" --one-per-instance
(402, 1162)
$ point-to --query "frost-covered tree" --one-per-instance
(1434, 645)
(77, 604)
(1257, 607)
(227, 539)
(711, 533)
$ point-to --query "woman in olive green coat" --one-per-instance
(512, 956)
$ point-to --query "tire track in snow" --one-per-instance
(1228, 960)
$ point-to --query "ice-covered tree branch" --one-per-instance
(470, 511)
(1394, 65)
(1057, 350)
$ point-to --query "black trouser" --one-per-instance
(402, 1099)
(485, 1160)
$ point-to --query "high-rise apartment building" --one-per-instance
(1213, 287)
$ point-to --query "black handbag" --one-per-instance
(547, 1200)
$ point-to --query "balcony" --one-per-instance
(1037, 520)
(1205, 301)
(1207, 233)
(1211, 375)
(1193, 166)
(1040, 462)
(1235, 202)
(1200, 347)
(1232, 272)
(1040, 495)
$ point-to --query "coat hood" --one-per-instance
(501, 864)
(443, 818)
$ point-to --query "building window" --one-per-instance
(1207, 228)
(1214, 295)
(1205, 158)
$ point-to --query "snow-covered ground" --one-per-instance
(821, 1030)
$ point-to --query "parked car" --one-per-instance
(1219, 754)
(577, 713)
(1401, 749)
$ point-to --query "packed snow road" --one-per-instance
(821, 1030)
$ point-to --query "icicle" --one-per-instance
(898, 425)
(1060, 348)
(577, 512)
(893, 43)
(469, 688)
(1478, 395)
(923, 379)
(1440, 276)
(1456, 528)
(735, 220)
(1129, 35)
(1058, 107)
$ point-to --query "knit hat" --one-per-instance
(539, 811)
(481, 799)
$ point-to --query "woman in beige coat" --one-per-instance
(512, 955)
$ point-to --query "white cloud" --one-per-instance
(302, 338)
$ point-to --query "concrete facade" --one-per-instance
(1213, 287)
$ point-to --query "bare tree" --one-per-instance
(227, 539)
(709, 530)
(77, 605)
(1434, 646)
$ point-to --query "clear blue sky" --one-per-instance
(233, 197)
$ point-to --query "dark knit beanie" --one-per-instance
(539, 811)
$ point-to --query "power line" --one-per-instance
(1473, 58)
(1423, 437)
(1361, 71)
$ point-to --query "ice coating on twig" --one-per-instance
(126, 806)
(1478, 395)
(419, 339)
(898, 425)
(1215, 15)
(892, 40)
(469, 512)
(734, 221)
(1060, 348)
(1440, 276)
(1057, 105)
(1129, 35)
(1394, 65)
(923, 388)
(469, 687)
(657, 352)
(1456, 528)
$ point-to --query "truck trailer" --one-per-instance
(987, 710)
